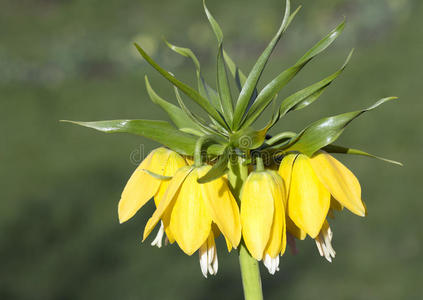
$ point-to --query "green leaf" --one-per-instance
(325, 131)
(203, 88)
(219, 168)
(339, 149)
(309, 94)
(184, 52)
(178, 117)
(197, 120)
(255, 74)
(215, 26)
(280, 137)
(159, 131)
(190, 92)
(236, 72)
(223, 87)
(270, 90)
(248, 138)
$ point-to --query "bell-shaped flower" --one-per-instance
(189, 209)
(142, 186)
(316, 186)
(263, 217)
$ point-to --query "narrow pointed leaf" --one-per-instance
(345, 150)
(270, 90)
(178, 117)
(325, 131)
(185, 52)
(255, 74)
(215, 26)
(159, 131)
(219, 168)
(190, 92)
(203, 88)
(309, 94)
(236, 72)
(223, 87)
(197, 120)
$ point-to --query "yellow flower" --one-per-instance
(315, 187)
(263, 217)
(189, 210)
(142, 186)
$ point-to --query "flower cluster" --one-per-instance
(216, 174)
(296, 199)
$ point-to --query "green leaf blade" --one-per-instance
(159, 131)
(178, 117)
(351, 151)
(255, 74)
(267, 94)
(190, 92)
(223, 87)
(213, 23)
(325, 131)
(309, 94)
(219, 168)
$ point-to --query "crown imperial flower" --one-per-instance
(212, 164)
(189, 208)
(263, 201)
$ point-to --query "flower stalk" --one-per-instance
(250, 272)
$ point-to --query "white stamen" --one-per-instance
(159, 237)
(272, 264)
(203, 259)
(324, 243)
(215, 263)
(208, 257)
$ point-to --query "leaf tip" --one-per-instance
(69, 121)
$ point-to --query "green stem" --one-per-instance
(259, 164)
(250, 271)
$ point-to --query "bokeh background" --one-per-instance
(60, 184)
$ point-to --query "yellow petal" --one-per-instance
(278, 232)
(309, 201)
(216, 233)
(141, 187)
(174, 163)
(285, 171)
(257, 208)
(189, 160)
(335, 205)
(190, 221)
(223, 208)
(294, 230)
(168, 198)
(339, 181)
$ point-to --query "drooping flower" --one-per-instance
(263, 217)
(142, 186)
(315, 187)
(189, 209)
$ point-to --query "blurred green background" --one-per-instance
(60, 184)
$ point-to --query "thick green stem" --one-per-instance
(250, 271)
